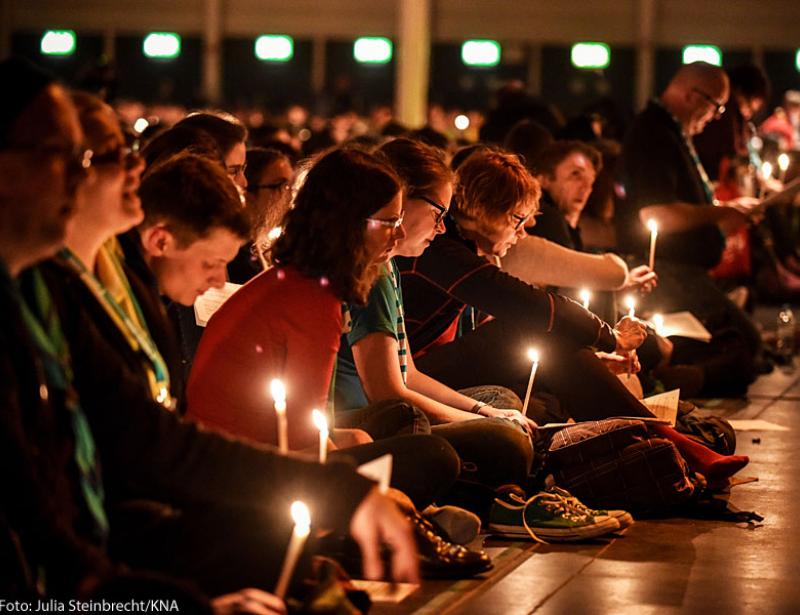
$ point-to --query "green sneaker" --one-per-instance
(546, 517)
(624, 518)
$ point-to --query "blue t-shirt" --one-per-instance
(382, 314)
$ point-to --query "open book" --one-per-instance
(684, 324)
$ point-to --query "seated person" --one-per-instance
(89, 412)
(493, 199)
(286, 323)
(376, 361)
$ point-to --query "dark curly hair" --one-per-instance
(324, 234)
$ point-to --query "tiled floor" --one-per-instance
(664, 566)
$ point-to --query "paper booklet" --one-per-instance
(664, 405)
(684, 324)
(779, 197)
(380, 591)
(210, 301)
(379, 470)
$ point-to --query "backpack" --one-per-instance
(616, 463)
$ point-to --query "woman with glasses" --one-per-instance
(376, 363)
(457, 284)
(287, 322)
(269, 176)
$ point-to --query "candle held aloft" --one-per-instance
(783, 165)
(278, 392)
(585, 296)
(321, 424)
(302, 528)
(533, 355)
(653, 226)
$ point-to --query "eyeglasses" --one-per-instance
(520, 220)
(75, 156)
(393, 224)
(121, 156)
(441, 211)
(235, 170)
(278, 185)
(718, 106)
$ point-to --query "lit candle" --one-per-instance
(302, 528)
(783, 164)
(533, 355)
(585, 296)
(766, 170)
(279, 403)
(653, 226)
(658, 323)
(630, 303)
(322, 424)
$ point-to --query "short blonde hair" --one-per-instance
(490, 184)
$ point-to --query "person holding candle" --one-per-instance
(493, 199)
(287, 322)
(98, 432)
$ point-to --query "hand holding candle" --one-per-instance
(302, 528)
(585, 296)
(533, 355)
(279, 403)
(653, 226)
(321, 423)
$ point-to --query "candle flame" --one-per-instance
(783, 162)
(766, 170)
(533, 355)
(585, 296)
(301, 516)
(652, 225)
(274, 233)
(320, 422)
(277, 390)
(630, 302)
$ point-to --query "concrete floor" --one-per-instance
(663, 566)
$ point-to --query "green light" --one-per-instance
(480, 53)
(274, 48)
(590, 55)
(164, 45)
(797, 60)
(58, 43)
(372, 50)
(702, 53)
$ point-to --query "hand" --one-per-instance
(630, 333)
(620, 364)
(510, 414)
(345, 438)
(249, 600)
(641, 278)
(376, 521)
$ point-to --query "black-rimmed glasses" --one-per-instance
(76, 156)
(123, 156)
(719, 108)
(441, 210)
(519, 220)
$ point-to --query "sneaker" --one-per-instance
(624, 518)
(546, 516)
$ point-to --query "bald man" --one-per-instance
(665, 181)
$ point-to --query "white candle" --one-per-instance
(585, 296)
(322, 424)
(302, 528)
(658, 323)
(653, 226)
(783, 164)
(630, 303)
(533, 355)
(279, 403)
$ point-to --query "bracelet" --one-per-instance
(476, 409)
